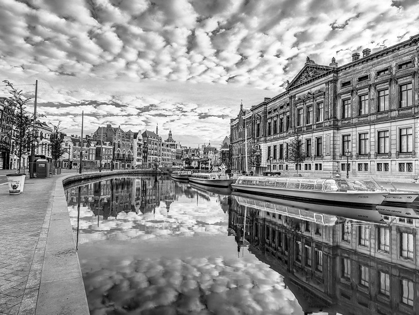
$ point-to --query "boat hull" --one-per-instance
(212, 189)
(180, 177)
(344, 198)
(211, 182)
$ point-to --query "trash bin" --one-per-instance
(42, 168)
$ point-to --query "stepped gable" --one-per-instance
(310, 71)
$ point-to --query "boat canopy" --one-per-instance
(182, 173)
(313, 184)
(267, 206)
(210, 176)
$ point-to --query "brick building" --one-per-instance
(359, 119)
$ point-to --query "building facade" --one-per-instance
(358, 119)
(152, 144)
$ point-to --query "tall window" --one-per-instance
(346, 232)
(308, 255)
(258, 129)
(363, 141)
(406, 138)
(319, 259)
(319, 146)
(346, 143)
(346, 108)
(287, 123)
(298, 251)
(281, 124)
(408, 292)
(384, 239)
(275, 152)
(269, 152)
(364, 235)
(299, 117)
(384, 283)
(319, 112)
(309, 115)
(281, 151)
(308, 147)
(383, 142)
(406, 96)
(364, 275)
(275, 127)
(363, 104)
(269, 128)
(346, 268)
(383, 100)
(406, 246)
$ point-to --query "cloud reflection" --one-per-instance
(185, 286)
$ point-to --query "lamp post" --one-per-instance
(347, 153)
(270, 164)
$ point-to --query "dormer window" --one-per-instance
(405, 65)
(363, 78)
(383, 72)
(346, 84)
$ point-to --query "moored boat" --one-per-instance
(360, 192)
(211, 179)
(181, 175)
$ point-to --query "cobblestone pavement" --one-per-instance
(24, 227)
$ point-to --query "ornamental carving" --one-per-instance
(308, 74)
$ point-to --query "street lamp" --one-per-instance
(270, 164)
(347, 153)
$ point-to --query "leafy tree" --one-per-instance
(57, 140)
(23, 123)
(296, 153)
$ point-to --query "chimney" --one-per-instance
(355, 56)
(266, 99)
(366, 52)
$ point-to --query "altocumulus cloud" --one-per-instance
(100, 50)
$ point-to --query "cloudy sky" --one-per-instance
(182, 64)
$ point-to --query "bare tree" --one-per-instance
(296, 153)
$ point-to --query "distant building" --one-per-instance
(152, 143)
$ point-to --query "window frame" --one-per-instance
(363, 143)
(386, 141)
(383, 100)
(346, 108)
(407, 146)
(363, 104)
(408, 97)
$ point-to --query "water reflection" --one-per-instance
(155, 246)
(335, 264)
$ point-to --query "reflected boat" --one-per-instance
(181, 175)
(360, 192)
(315, 212)
(215, 190)
(212, 179)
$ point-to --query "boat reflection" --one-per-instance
(346, 267)
(277, 205)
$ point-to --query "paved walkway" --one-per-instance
(39, 268)
(24, 226)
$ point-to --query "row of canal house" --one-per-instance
(359, 118)
(348, 268)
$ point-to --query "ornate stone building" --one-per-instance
(357, 119)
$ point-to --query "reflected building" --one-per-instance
(349, 267)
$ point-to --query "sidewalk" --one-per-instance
(39, 268)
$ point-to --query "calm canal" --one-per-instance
(151, 245)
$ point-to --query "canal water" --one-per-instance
(151, 245)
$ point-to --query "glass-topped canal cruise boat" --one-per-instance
(181, 175)
(212, 179)
(364, 192)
